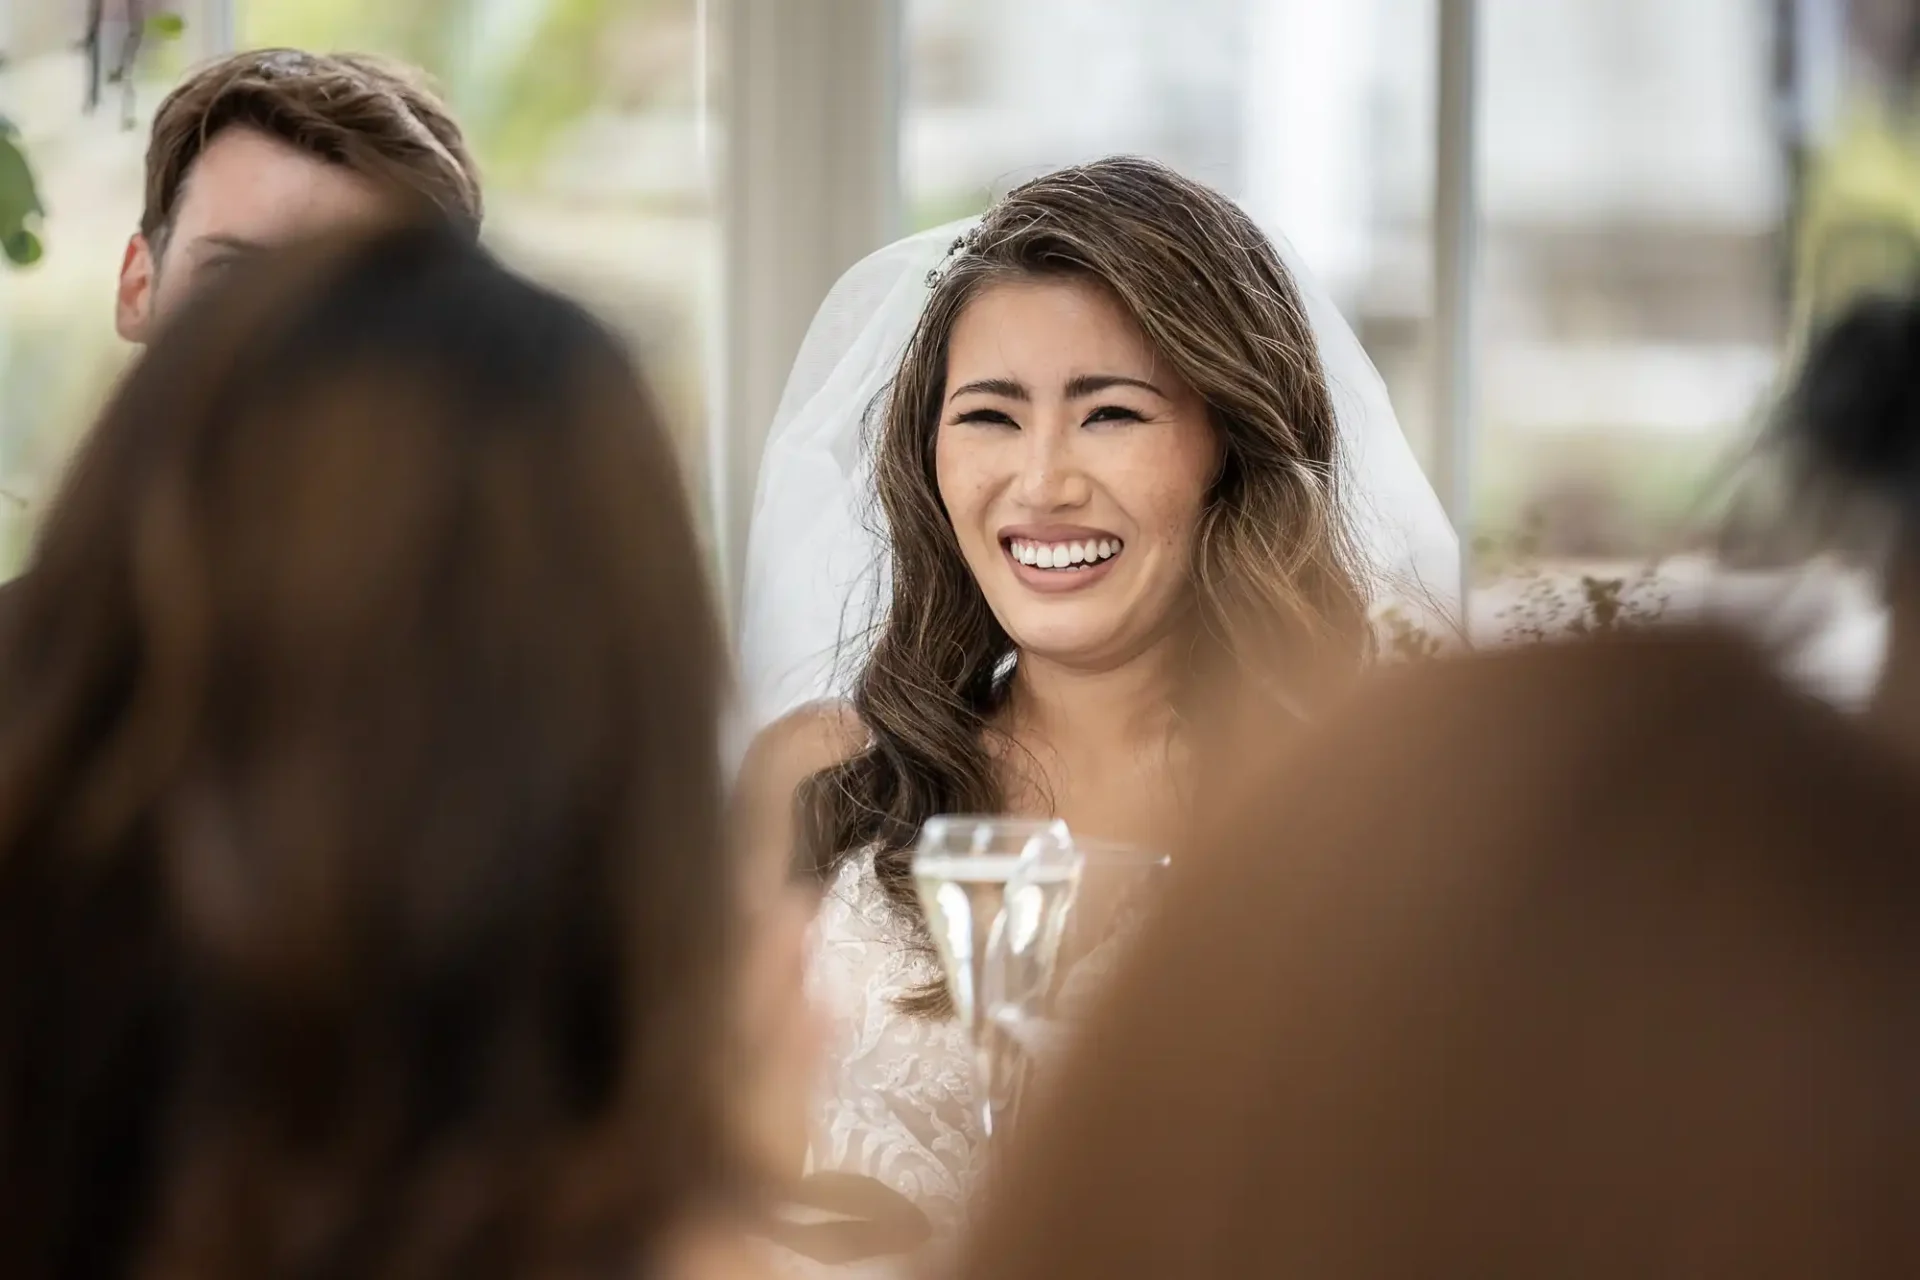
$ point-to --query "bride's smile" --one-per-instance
(1052, 558)
(1074, 465)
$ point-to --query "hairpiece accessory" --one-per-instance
(961, 246)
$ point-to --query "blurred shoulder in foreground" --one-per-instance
(1592, 959)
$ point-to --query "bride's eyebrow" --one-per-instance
(1089, 384)
(1006, 387)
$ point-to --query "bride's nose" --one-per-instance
(1050, 477)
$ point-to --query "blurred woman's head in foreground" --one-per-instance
(1577, 962)
(362, 906)
(1850, 421)
(1848, 428)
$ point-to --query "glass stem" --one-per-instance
(983, 1081)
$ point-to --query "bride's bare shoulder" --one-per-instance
(783, 755)
(802, 743)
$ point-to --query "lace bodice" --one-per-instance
(896, 1102)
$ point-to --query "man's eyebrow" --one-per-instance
(231, 244)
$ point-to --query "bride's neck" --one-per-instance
(1119, 706)
(1101, 748)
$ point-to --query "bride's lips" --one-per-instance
(1090, 555)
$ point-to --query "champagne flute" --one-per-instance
(1021, 973)
(1069, 914)
(961, 867)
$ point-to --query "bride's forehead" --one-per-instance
(1043, 324)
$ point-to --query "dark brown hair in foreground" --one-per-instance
(1579, 962)
(362, 911)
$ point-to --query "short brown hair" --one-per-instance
(377, 118)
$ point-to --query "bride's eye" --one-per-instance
(988, 417)
(1115, 413)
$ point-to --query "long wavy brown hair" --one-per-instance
(362, 903)
(1277, 581)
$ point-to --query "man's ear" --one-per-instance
(133, 308)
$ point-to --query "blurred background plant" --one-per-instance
(1532, 597)
(1541, 597)
(111, 44)
(20, 208)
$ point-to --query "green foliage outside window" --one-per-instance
(20, 207)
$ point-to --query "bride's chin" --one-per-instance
(1082, 648)
(1092, 636)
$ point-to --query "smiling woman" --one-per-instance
(1109, 466)
(1074, 465)
(1116, 358)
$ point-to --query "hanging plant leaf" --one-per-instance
(23, 248)
(20, 207)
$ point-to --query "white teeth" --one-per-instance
(1064, 555)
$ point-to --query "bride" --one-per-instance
(1115, 444)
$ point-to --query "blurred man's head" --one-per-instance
(1884, 36)
(275, 144)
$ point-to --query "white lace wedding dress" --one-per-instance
(896, 1102)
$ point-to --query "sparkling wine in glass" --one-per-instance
(1021, 975)
(961, 867)
(1070, 914)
